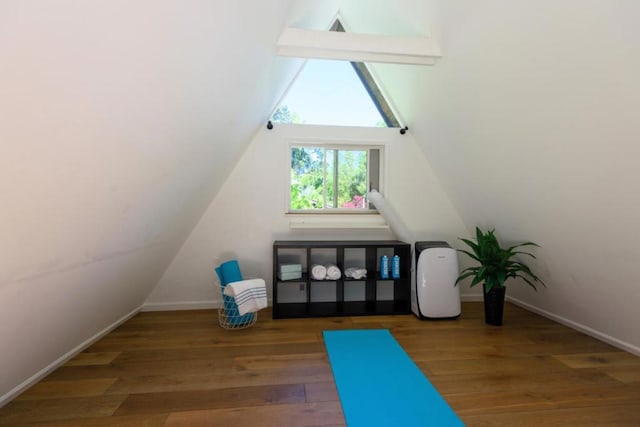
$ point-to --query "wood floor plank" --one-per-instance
(146, 420)
(321, 392)
(93, 358)
(597, 360)
(212, 399)
(253, 363)
(135, 369)
(496, 381)
(320, 414)
(205, 381)
(507, 365)
(466, 338)
(421, 354)
(215, 353)
(614, 416)
(568, 345)
(521, 400)
(236, 338)
(625, 374)
(72, 388)
(24, 411)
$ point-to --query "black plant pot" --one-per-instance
(494, 305)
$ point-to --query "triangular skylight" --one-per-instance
(339, 93)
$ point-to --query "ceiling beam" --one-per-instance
(302, 43)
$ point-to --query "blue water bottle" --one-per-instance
(395, 267)
(384, 267)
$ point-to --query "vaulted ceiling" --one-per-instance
(121, 120)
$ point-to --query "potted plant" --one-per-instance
(496, 265)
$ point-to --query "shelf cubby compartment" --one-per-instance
(370, 295)
(385, 290)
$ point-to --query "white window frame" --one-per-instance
(338, 145)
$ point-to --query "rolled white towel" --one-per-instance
(355, 273)
(318, 272)
(333, 272)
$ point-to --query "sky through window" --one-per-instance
(329, 92)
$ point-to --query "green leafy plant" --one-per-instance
(496, 264)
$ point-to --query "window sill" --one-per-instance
(336, 221)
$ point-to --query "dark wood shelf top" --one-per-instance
(300, 279)
(337, 243)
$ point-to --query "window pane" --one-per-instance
(330, 179)
(352, 178)
(329, 92)
(374, 172)
(307, 178)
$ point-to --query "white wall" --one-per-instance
(249, 212)
(118, 124)
(530, 122)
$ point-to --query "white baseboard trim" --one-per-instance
(181, 305)
(14, 392)
(577, 326)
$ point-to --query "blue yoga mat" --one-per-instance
(379, 384)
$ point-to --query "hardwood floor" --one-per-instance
(181, 369)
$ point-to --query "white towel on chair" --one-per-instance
(250, 295)
(318, 272)
(333, 272)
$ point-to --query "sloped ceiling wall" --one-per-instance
(529, 120)
(119, 121)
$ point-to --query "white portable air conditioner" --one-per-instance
(435, 295)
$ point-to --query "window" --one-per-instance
(328, 93)
(333, 178)
(339, 93)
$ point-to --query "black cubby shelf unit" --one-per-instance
(370, 295)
